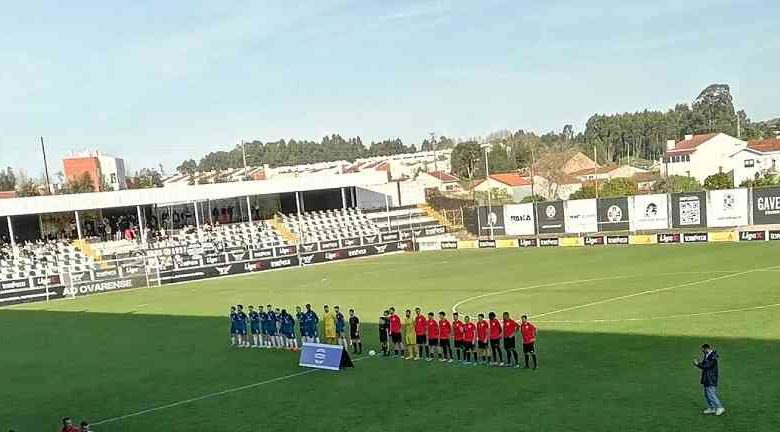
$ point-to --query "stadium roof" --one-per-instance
(127, 198)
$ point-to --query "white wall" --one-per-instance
(760, 161)
(708, 158)
(371, 197)
(113, 171)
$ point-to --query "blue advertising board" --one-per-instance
(324, 356)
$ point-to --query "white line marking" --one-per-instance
(577, 281)
(652, 291)
(664, 317)
(210, 395)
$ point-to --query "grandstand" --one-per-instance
(327, 225)
(402, 218)
(41, 259)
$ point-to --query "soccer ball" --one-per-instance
(372, 353)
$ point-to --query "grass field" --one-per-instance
(618, 330)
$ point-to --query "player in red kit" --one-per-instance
(469, 338)
(445, 328)
(395, 333)
(457, 336)
(420, 327)
(495, 339)
(433, 337)
(510, 329)
(483, 328)
(529, 340)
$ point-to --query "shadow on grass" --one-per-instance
(99, 366)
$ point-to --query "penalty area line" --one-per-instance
(209, 396)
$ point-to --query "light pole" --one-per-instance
(243, 154)
(490, 204)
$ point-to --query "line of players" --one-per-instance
(477, 342)
(271, 327)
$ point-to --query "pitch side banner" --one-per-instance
(492, 220)
(482, 244)
(285, 250)
(593, 241)
(668, 238)
(581, 216)
(527, 242)
(766, 206)
(519, 219)
(649, 212)
(613, 214)
(774, 235)
(449, 245)
(550, 217)
(546, 242)
(752, 235)
(689, 210)
(727, 208)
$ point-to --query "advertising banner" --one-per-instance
(390, 236)
(104, 286)
(570, 241)
(617, 240)
(259, 254)
(689, 210)
(545, 242)
(527, 242)
(613, 214)
(329, 245)
(14, 284)
(695, 237)
(774, 235)
(322, 356)
(285, 250)
(594, 241)
(668, 238)
(727, 208)
(449, 245)
(492, 220)
(519, 219)
(581, 216)
(642, 239)
(486, 244)
(407, 235)
(309, 247)
(752, 235)
(432, 231)
(238, 255)
(182, 261)
(350, 242)
(723, 236)
(649, 212)
(370, 239)
(766, 206)
(550, 217)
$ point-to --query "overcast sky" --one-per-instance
(158, 82)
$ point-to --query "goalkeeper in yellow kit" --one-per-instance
(410, 337)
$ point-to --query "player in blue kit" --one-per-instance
(288, 330)
(312, 322)
(232, 317)
(241, 326)
(254, 326)
(271, 328)
(341, 327)
(299, 316)
(280, 339)
(263, 327)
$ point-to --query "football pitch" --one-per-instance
(618, 329)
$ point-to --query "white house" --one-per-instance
(700, 156)
(606, 172)
(559, 187)
(758, 158)
(515, 185)
(439, 180)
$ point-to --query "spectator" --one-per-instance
(709, 379)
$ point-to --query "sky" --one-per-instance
(160, 82)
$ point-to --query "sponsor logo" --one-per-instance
(380, 249)
(549, 242)
(617, 240)
(527, 242)
(189, 263)
(285, 250)
(263, 253)
(102, 274)
(131, 270)
(694, 237)
(333, 244)
(752, 235)
(238, 256)
(449, 245)
(212, 260)
(223, 270)
(651, 210)
(668, 238)
(330, 256)
(774, 235)
(728, 201)
(370, 239)
(406, 235)
(309, 247)
(281, 263)
(349, 242)
(418, 232)
(486, 243)
(307, 259)
(357, 252)
(594, 241)
(521, 218)
(78, 277)
(250, 267)
(768, 205)
(390, 236)
(492, 218)
(435, 230)
(402, 246)
(99, 287)
(614, 213)
(550, 211)
(14, 284)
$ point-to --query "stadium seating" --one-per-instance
(401, 219)
(330, 225)
(219, 237)
(42, 258)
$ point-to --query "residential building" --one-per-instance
(514, 184)
(755, 160)
(102, 169)
(439, 180)
(606, 172)
(569, 162)
(556, 187)
(700, 156)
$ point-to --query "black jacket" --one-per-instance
(709, 369)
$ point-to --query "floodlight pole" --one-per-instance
(490, 204)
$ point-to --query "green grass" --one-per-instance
(110, 355)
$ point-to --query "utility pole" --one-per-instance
(739, 131)
(243, 153)
(435, 157)
(45, 168)
(490, 205)
(595, 172)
